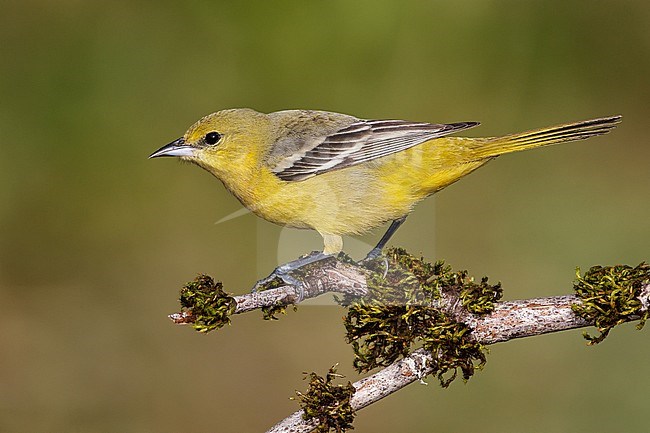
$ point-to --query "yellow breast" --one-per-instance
(352, 200)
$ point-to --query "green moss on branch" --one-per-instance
(328, 403)
(207, 303)
(611, 295)
(398, 315)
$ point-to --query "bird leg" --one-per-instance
(282, 272)
(376, 251)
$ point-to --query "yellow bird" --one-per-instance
(340, 175)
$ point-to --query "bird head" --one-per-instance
(220, 140)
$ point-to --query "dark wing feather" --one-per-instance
(362, 141)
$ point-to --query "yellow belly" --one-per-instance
(356, 199)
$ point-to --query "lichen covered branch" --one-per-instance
(509, 320)
(400, 302)
(328, 276)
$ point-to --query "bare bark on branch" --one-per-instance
(515, 319)
(509, 320)
(330, 276)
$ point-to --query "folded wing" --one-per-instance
(362, 141)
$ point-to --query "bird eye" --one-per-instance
(212, 137)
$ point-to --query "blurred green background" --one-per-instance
(96, 240)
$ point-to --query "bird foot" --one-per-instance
(283, 273)
(373, 255)
(279, 274)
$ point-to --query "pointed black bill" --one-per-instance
(175, 148)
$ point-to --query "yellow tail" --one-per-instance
(545, 136)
